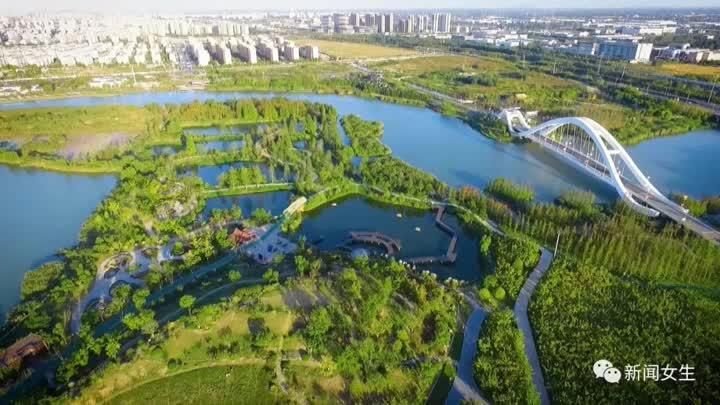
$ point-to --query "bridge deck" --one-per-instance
(659, 203)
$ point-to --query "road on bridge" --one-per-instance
(676, 213)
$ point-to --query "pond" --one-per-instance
(219, 146)
(211, 174)
(328, 228)
(275, 202)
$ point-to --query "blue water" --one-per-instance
(41, 213)
(458, 155)
(275, 202)
(688, 164)
(210, 174)
(219, 146)
(330, 226)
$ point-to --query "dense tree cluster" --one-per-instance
(501, 368)
(395, 175)
(583, 313)
(365, 136)
(514, 258)
(517, 195)
(241, 176)
(699, 208)
(370, 332)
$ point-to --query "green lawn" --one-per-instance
(212, 385)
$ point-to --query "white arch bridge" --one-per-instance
(589, 147)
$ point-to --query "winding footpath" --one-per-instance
(464, 387)
(523, 322)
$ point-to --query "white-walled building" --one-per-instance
(311, 52)
(268, 52)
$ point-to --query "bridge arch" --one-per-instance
(610, 162)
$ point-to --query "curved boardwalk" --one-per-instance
(391, 245)
(521, 316)
(464, 387)
(451, 253)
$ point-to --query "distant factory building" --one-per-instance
(625, 50)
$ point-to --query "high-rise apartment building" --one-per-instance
(434, 22)
(444, 22)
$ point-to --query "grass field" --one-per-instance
(347, 50)
(19, 124)
(211, 385)
(492, 82)
(690, 70)
(428, 64)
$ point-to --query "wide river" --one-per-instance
(42, 212)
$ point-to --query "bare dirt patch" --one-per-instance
(80, 146)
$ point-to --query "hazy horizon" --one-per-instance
(185, 6)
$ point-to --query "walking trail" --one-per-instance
(464, 387)
(521, 316)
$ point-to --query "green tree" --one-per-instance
(187, 302)
(271, 277)
(234, 276)
(485, 244)
(112, 346)
(301, 265)
(140, 298)
(261, 216)
(501, 367)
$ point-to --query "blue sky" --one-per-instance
(10, 6)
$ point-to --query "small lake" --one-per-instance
(330, 225)
(211, 174)
(219, 146)
(275, 202)
(40, 213)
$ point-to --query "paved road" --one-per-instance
(676, 213)
(521, 316)
(464, 387)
